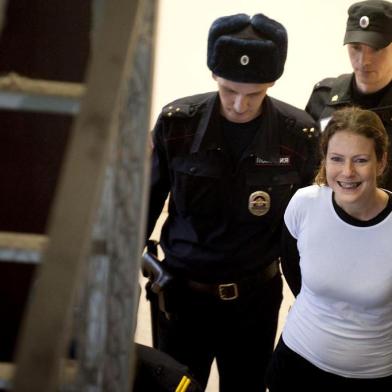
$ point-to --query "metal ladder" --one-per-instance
(94, 239)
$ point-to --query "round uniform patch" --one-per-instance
(244, 60)
(364, 22)
(259, 203)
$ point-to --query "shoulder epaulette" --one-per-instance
(310, 132)
(296, 118)
(188, 106)
(178, 110)
(325, 83)
(329, 83)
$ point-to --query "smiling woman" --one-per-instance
(337, 260)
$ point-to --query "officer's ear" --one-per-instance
(213, 76)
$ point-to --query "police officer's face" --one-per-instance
(372, 67)
(352, 169)
(241, 102)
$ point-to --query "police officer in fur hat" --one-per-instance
(369, 42)
(229, 161)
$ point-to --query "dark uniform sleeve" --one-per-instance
(311, 163)
(290, 261)
(160, 179)
(319, 98)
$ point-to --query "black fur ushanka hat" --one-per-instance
(247, 50)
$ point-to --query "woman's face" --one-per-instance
(352, 170)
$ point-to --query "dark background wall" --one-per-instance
(42, 39)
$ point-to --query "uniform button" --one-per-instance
(158, 370)
(290, 122)
(192, 169)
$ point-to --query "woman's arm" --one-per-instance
(290, 261)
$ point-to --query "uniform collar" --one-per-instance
(341, 92)
(266, 142)
(386, 100)
(209, 132)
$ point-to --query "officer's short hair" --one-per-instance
(370, 22)
(247, 49)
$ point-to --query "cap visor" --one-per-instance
(371, 38)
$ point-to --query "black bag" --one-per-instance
(156, 371)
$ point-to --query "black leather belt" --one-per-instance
(229, 291)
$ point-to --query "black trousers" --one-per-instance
(240, 334)
(288, 371)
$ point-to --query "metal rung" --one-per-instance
(21, 93)
(28, 248)
(21, 247)
(31, 103)
(68, 373)
(6, 374)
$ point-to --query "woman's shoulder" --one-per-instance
(312, 192)
(307, 199)
(306, 203)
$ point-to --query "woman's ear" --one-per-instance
(382, 164)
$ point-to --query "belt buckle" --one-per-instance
(228, 291)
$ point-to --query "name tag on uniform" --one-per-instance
(283, 161)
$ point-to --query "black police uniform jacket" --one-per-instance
(210, 234)
(332, 94)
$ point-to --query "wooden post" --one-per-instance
(132, 171)
(107, 342)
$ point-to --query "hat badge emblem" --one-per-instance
(244, 60)
(364, 22)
